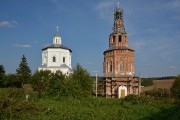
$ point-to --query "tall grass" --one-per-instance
(14, 106)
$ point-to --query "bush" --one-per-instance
(147, 82)
(78, 84)
(176, 87)
(132, 98)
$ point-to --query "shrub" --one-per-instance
(176, 87)
(132, 98)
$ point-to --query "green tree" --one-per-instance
(11, 80)
(176, 87)
(147, 81)
(51, 84)
(81, 82)
(2, 75)
(40, 77)
(2, 70)
(23, 72)
(57, 84)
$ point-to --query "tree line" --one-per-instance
(79, 83)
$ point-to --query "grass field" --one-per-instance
(14, 106)
(160, 84)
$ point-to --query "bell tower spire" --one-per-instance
(118, 20)
(118, 38)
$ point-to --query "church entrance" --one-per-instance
(122, 93)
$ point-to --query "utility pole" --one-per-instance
(96, 84)
(139, 85)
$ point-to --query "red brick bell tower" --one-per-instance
(119, 62)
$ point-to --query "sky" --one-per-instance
(152, 26)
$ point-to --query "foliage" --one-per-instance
(158, 92)
(81, 82)
(55, 85)
(2, 74)
(147, 82)
(13, 106)
(12, 80)
(24, 72)
(132, 98)
(28, 90)
(40, 76)
(176, 87)
(2, 70)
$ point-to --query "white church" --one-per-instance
(56, 57)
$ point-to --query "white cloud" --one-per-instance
(22, 46)
(8, 23)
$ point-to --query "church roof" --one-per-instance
(119, 48)
(57, 46)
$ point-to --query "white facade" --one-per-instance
(56, 57)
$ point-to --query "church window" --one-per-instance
(116, 65)
(110, 68)
(121, 67)
(114, 39)
(64, 60)
(54, 59)
(120, 39)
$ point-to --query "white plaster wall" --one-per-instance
(44, 61)
(59, 54)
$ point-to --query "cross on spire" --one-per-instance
(118, 3)
(57, 28)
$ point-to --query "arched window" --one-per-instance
(114, 39)
(54, 59)
(110, 67)
(121, 67)
(64, 60)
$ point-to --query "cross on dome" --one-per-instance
(57, 28)
(118, 2)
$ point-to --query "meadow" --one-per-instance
(13, 105)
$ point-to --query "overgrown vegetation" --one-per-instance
(176, 87)
(159, 92)
(58, 85)
(146, 82)
(14, 106)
